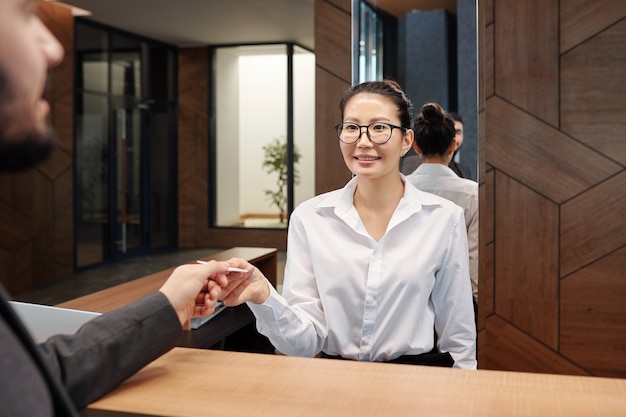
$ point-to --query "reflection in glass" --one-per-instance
(255, 106)
(370, 48)
(430, 50)
(125, 145)
(92, 176)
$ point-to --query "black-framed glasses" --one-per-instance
(377, 132)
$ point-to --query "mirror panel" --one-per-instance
(430, 48)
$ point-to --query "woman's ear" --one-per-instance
(407, 141)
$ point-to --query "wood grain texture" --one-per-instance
(330, 168)
(582, 19)
(332, 77)
(593, 318)
(593, 93)
(488, 5)
(525, 51)
(332, 39)
(122, 294)
(526, 254)
(593, 224)
(541, 156)
(486, 300)
(193, 189)
(489, 61)
(197, 382)
(511, 349)
(574, 169)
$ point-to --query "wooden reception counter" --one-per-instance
(196, 382)
(235, 321)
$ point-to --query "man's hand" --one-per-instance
(187, 288)
(241, 287)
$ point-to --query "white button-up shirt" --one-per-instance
(441, 180)
(349, 295)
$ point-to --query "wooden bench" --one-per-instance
(213, 334)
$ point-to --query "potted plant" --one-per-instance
(275, 161)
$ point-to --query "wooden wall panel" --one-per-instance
(530, 150)
(559, 192)
(193, 205)
(508, 348)
(526, 256)
(582, 19)
(593, 94)
(486, 239)
(333, 76)
(593, 318)
(36, 203)
(488, 61)
(593, 224)
(527, 44)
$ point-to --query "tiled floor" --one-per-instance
(95, 279)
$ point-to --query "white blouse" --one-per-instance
(348, 295)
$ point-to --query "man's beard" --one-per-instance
(22, 145)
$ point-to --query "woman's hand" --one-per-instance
(242, 287)
(189, 292)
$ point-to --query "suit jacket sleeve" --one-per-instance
(112, 347)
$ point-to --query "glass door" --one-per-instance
(128, 169)
(125, 146)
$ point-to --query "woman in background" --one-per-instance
(435, 143)
(374, 267)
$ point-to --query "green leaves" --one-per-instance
(275, 161)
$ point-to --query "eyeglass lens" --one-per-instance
(377, 132)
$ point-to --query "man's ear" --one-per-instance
(454, 145)
(417, 148)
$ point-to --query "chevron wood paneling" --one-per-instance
(527, 43)
(509, 348)
(593, 224)
(593, 316)
(559, 204)
(582, 19)
(593, 94)
(527, 257)
(531, 151)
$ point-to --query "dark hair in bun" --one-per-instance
(434, 130)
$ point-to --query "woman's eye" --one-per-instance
(351, 127)
(379, 127)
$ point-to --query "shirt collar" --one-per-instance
(343, 199)
(435, 169)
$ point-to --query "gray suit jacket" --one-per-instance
(66, 373)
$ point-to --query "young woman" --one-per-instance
(374, 267)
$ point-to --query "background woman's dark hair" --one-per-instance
(434, 130)
(387, 88)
